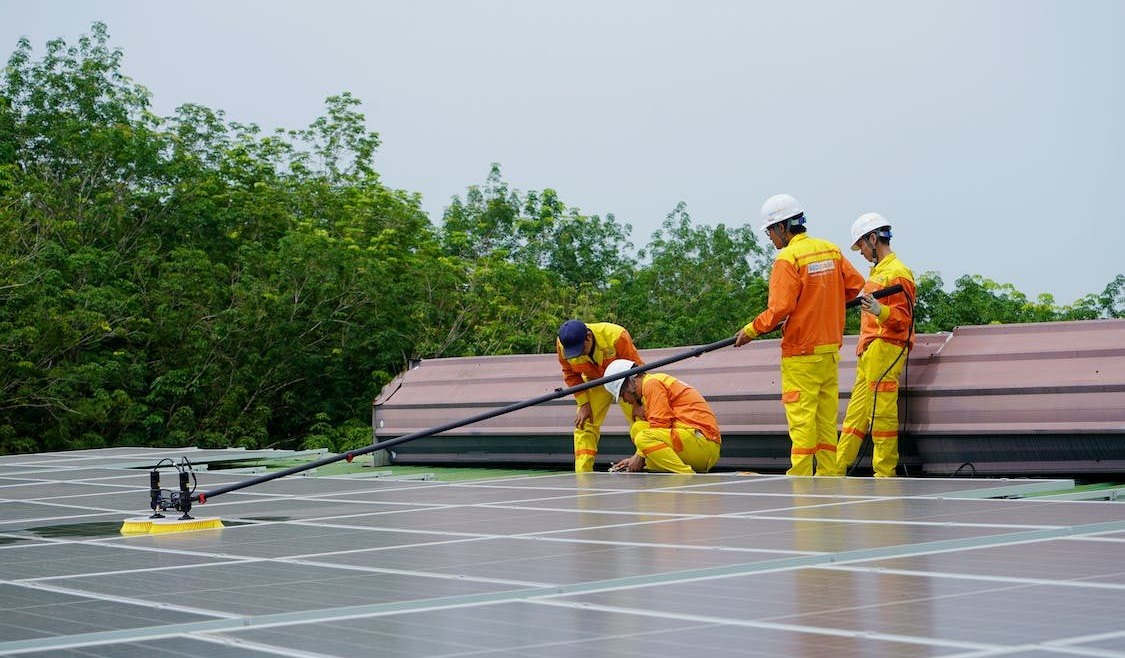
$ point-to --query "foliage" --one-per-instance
(525, 263)
(700, 284)
(976, 300)
(187, 280)
(1111, 303)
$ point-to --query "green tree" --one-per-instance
(521, 264)
(190, 280)
(700, 284)
(78, 161)
(536, 229)
(976, 300)
(1112, 299)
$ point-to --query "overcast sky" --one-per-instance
(990, 132)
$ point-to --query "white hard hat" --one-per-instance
(615, 367)
(779, 208)
(867, 223)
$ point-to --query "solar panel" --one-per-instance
(560, 565)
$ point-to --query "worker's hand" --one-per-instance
(870, 305)
(741, 338)
(584, 415)
(634, 464)
(639, 413)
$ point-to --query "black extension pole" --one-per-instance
(878, 294)
(557, 393)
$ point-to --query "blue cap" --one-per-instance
(572, 335)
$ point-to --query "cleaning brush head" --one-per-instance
(160, 526)
(147, 526)
(136, 526)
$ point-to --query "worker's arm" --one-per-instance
(785, 288)
(625, 348)
(572, 377)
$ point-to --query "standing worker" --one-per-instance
(885, 338)
(673, 427)
(584, 351)
(809, 285)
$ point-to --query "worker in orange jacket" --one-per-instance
(885, 338)
(809, 285)
(584, 350)
(673, 428)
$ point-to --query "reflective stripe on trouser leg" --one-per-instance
(827, 411)
(869, 390)
(809, 382)
(884, 431)
(674, 450)
(586, 437)
(857, 417)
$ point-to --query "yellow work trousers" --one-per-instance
(874, 405)
(586, 437)
(679, 449)
(810, 389)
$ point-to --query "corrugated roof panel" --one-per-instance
(1060, 377)
(1047, 379)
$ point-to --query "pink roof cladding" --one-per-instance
(1045, 378)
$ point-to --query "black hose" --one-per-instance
(875, 395)
(558, 393)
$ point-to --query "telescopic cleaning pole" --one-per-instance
(557, 393)
(204, 496)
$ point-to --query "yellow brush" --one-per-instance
(136, 526)
(146, 526)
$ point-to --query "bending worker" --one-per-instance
(584, 351)
(885, 338)
(673, 427)
(809, 285)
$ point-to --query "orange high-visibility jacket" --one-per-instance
(895, 323)
(611, 342)
(809, 285)
(668, 403)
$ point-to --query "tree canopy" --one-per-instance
(191, 280)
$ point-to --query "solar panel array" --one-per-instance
(560, 565)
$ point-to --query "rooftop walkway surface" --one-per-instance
(597, 564)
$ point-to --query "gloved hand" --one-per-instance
(743, 337)
(870, 305)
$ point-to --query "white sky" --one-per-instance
(990, 132)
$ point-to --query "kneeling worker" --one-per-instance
(673, 427)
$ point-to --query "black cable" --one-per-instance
(906, 412)
(186, 464)
(871, 422)
(875, 395)
(905, 388)
(970, 465)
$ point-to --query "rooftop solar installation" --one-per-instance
(598, 564)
